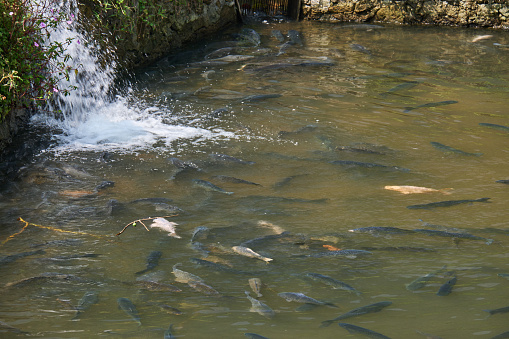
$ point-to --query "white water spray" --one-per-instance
(90, 119)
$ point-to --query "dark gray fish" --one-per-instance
(400, 87)
(13, 257)
(353, 164)
(255, 336)
(210, 186)
(302, 298)
(431, 104)
(287, 180)
(6, 327)
(503, 181)
(446, 234)
(260, 97)
(504, 275)
(380, 230)
(357, 150)
(170, 309)
(349, 253)
(229, 159)
(201, 287)
(376, 307)
(104, 185)
(266, 238)
(278, 35)
(260, 308)
(152, 261)
(128, 307)
(168, 333)
(450, 149)
(295, 37)
(503, 335)
(216, 267)
(48, 276)
(499, 127)
(364, 331)
(250, 36)
(156, 286)
(446, 288)
(360, 48)
(336, 284)
(226, 178)
(446, 203)
(421, 281)
(301, 130)
(200, 233)
(498, 310)
(89, 298)
(151, 201)
(182, 165)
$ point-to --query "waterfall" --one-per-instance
(90, 117)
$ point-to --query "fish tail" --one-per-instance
(446, 191)
(326, 323)
(489, 311)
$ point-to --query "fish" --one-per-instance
(380, 230)
(302, 298)
(364, 331)
(201, 287)
(234, 58)
(498, 310)
(405, 189)
(128, 307)
(226, 178)
(216, 266)
(89, 298)
(152, 261)
(250, 36)
(183, 165)
(150, 201)
(360, 48)
(13, 257)
(200, 233)
(461, 235)
(350, 163)
(400, 87)
(421, 281)
(446, 288)
(335, 284)
(259, 307)
(229, 159)
(76, 194)
(247, 252)
(357, 150)
(183, 276)
(349, 253)
(481, 37)
(265, 238)
(503, 275)
(260, 97)
(301, 130)
(157, 286)
(256, 286)
(255, 336)
(274, 228)
(168, 333)
(166, 226)
(210, 186)
(6, 327)
(277, 34)
(170, 309)
(450, 149)
(495, 126)
(503, 181)
(376, 307)
(295, 37)
(431, 104)
(503, 335)
(446, 203)
(105, 184)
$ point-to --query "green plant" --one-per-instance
(31, 65)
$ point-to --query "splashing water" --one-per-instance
(89, 118)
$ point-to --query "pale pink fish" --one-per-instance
(166, 226)
(416, 189)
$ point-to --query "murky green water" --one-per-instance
(333, 94)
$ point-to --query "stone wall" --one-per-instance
(467, 13)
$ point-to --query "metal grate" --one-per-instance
(263, 7)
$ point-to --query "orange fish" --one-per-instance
(331, 248)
